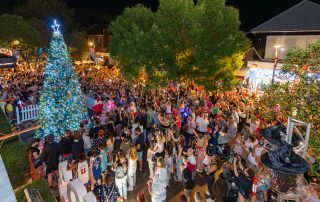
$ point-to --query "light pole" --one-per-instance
(275, 62)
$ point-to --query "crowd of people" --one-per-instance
(179, 133)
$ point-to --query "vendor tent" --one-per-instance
(7, 61)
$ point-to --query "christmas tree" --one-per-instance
(62, 104)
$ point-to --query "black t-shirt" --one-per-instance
(50, 154)
(188, 180)
(77, 148)
(245, 185)
(66, 145)
(140, 141)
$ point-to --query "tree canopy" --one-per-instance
(13, 27)
(298, 99)
(46, 11)
(200, 42)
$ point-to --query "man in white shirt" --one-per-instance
(202, 123)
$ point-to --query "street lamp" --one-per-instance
(275, 61)
(90, 43)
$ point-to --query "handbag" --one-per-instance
(36, 163)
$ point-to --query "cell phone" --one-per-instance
(261, 143)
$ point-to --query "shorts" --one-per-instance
(87, 184)
(51, 168)
(140, 155)
(187, 192)
(202, 133)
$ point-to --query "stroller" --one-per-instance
(232, 184)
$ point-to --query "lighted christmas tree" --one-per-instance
(62, 104)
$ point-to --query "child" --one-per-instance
(95, 165)
(132, 167)
(103, 156)
(169, 162)
(149, 160)
(191, 160)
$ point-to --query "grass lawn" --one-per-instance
(43, 188)
(15, 159)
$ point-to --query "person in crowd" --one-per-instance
(159, 146)
(107, 191)
(244, 179)
(77, 145)
(86, 141)
(50, 156)
(100, 138)
(140, 147)
(202, 124)
(110, 145)
(149, 159)
(132, 167)
(212, 168)
(246, 131)
(82, 170)
(232, 128)
(168, 159)
(103, 156)
(157, 186)
(120, 169)
(35, 155)
(66, 145)
(95, 167)
(125, 144)
(188, 180)
(179, 160)
(191, 160)
(201, 152)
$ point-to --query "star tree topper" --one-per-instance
(55, 27)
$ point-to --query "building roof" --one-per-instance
(302, 17)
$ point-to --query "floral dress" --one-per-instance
(201, 153)
(106, 194)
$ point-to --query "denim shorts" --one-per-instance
(140, 155)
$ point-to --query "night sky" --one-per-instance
(252, 12)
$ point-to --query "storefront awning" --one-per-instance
(263, 65)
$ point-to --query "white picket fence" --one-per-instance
(29, 112)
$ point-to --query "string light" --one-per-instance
(62, 104)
